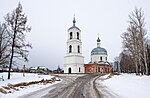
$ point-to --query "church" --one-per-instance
(74, 60)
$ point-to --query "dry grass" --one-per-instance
(3, 91)
(6, 89)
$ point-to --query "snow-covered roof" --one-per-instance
(40, 67)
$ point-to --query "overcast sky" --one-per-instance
(50, 20)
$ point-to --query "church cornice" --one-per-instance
(73, 55)
(74, 40)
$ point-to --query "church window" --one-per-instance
(106, 70)
(106, 58)
(98, 69)
(77, 35)
(70, 35)
(78, 49)
(101, 58)
(79, 69)
(70, 49)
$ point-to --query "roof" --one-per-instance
(40, 67)
(99, 63)
(99, 51)
(74, 27)
(102, 62)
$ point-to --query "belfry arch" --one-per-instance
(69, 70)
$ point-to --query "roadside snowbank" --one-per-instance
(128, 85)
(18, 78)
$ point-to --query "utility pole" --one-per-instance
(24, 70)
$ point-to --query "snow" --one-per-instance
(127, 85)
(118, 86)
(18, 78)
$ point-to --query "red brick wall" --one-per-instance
(97, 68)
(89, 68)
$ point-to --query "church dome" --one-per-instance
(99, 51)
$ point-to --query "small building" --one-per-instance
(98, 63)
(39, 69)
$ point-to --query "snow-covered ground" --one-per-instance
(118, 86)
(18, 78)
(126, 85)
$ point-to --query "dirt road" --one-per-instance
(70, 87)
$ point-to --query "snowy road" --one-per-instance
(70, 87)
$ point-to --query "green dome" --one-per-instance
(98, 51)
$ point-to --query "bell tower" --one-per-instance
(74, 61)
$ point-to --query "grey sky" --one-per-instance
(50, 20)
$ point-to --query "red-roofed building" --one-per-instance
(98, 63)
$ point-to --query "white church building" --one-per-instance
(74, 61)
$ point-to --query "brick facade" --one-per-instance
(97, 68)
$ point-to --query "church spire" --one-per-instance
(98, 41)
(74, 21)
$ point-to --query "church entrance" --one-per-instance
(69, 70)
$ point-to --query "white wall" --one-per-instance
(74, 68)
(74, 60)
(96, 58)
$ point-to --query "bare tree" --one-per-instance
(127, 62)
(4, 45)
(117, 64)
(134, 39)
(17, 26)
(130, 43)
(148, 54)
(138, 20)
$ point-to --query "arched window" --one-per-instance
(98, 69)
(106, 58)
(105, 70)
(69, 70)
(101, 58)
(78, 49)
(70, 35)
(79, 69)
(70, 49)
(77, 35)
